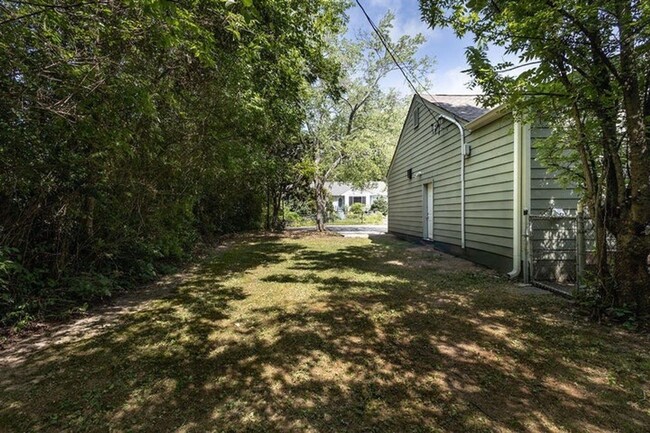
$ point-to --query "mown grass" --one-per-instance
(326, 334)
(371, 219)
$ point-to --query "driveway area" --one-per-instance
(358, 230)
(350, 231)
(308, 332)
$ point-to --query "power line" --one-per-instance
(386, 46)
(401, 68)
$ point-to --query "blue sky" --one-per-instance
(442, 45)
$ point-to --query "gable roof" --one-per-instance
(465, 107)
(339, 188)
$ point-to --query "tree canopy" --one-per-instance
(129, 130)
(353, 127)
(585, 75)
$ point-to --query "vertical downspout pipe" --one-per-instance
(526, 143)
(516, 203)
(462, 177)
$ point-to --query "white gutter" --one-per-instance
(462, 177)
(526, 142)
(516, 204)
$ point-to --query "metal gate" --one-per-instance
(553, 252)
(558, 249)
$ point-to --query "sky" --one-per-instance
(442, 45)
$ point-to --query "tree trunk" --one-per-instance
(633, 240)
(321, 204)
(631, 271)
(603, 272)
(268, 208)
(276, 204)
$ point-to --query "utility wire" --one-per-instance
(386, 46)
(401, 67)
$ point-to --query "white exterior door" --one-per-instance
(428, 211)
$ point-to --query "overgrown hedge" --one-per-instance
(130, 130)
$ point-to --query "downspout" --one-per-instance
(516, 203)
(526, 138)
(462, 177)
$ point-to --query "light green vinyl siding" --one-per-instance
(437, 157)
(545, 191)
(489, 188)
(488, 184)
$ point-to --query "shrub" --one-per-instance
(374, 218)
(380, 205)
(356, 210)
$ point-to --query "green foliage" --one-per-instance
(380, 205)
(584, 72)
(130, 130)
(292, 218)
(356, 210)
(353, 126)
(372, 218)
(375, 218)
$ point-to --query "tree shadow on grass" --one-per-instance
(383, 344)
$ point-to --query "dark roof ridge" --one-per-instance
(464, 107)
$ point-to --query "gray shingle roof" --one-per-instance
(465, 107)
(338, 188)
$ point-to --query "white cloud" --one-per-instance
(449, 81)
(452, 81)
(411, 27)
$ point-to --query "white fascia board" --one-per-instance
(489, 117)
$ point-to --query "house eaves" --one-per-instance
(487, 118)
(464, 108)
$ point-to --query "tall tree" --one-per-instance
(587, 77)
(128, 129)
(351, 126)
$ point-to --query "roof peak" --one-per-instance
(456, 94)
(465, 107)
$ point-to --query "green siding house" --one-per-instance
(462, 176)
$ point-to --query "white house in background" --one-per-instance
(344, 195)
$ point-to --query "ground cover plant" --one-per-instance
(319, 333)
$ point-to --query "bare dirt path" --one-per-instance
(16, 348)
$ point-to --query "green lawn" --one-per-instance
(328, 334)
(371, 219)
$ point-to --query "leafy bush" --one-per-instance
(111, 169)
(356, 210)
(380, 205)
(293, 219)
(374, 218)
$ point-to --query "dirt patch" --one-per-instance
(44, 335)
(427, 256)
(14, 348)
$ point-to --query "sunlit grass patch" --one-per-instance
(330, 334)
